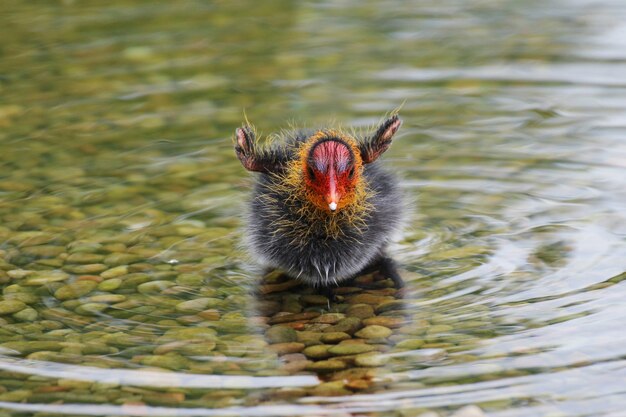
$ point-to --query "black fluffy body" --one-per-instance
(321, 259)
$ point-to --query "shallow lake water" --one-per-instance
(125, 290)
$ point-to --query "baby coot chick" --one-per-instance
(323, 210)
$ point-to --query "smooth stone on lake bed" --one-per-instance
(11, 306)
(317, 352)
(309, 338)
(188, 333)
(85, 269)
(286, 348)
(154, 286)
(390, 305)
(410, 344)
(347, 325)
(110, 284)
(374, 332)
(350, 349)
(27, 314)
(115, 272)
(314, 299)
(117, 259)
(91, 308)
(361, 311)
(280, 334)
(44, 251)
(370, 359)
(84, 258)
(28, 347)
(75, 290)
(329, 318)
(45, 277)
(334, 337)
(326, 366)
(331, 389)
(386, 321)
(25, 297)
(197, 305)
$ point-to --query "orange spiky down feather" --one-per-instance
(293, 181)
(291, 224)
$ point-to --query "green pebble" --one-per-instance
(188, 257)
(370, 359)
(117, 259)
(45, 277)
(71, 304)
(75, 290)
(153, 287)
(440, 328)
(28, 314)
(44, 251)
(123, 340)
(190, 280)
(107, 298)
(89, 309)
(190, 333)
(348, 325)
(13, 289)
(71, 383)
(309, 338)
(334, 337)
(115, 272)
(25, 297)
(85, 269)
(197, 348)
(281, 334)
(331, 389)
(314, 299)
(350, 349)
(94, 348)
(32, 238)
(374, 332)
(361, 311)
(16, 396)
(11, 306)
(317, 352)
(232, 348)
(19, 273)
(131, 281)
(391, 305)
(28, 347)
(329, 318)
(326, 366)
(174, 362)
(84, 258)
(50, 262)
(84, 247)
(199, 304)
(410, 344)
(110, 284)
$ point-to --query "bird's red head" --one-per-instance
(332, 171)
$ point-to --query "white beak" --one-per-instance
(333, 206)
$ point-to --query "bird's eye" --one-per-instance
(310, 172)
(351, 172)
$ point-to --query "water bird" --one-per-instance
(322, 210)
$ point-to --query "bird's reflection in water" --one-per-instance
(345, 339)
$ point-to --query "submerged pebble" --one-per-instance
(374, 332)
(75, 290)
(11, 306)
